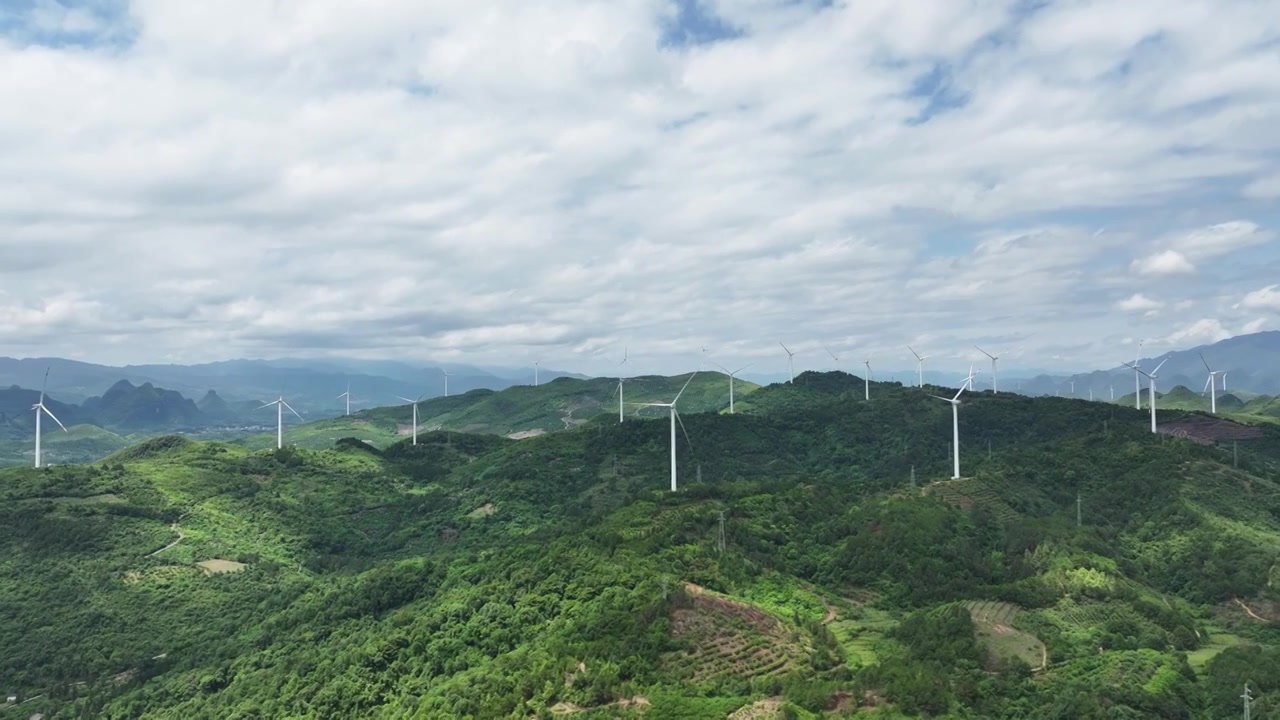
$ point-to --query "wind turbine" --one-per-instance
(415, 416)
(995, 388)
(1151, 389)
(674, 414)
(1137, 379)
(536, 363)
(41, 409)
(280, 406)
(1224, 380)
(1072, 383)
(791, 369)
(731, 377)
(919, 364)
(347, 395)
(835, 360)
(866, 380)
(955, 426)
(621, 380)
(446, 381)
(1211, 385)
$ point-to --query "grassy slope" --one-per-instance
(556, 405)
(374, 583)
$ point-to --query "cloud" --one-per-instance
(1200, 332)
(1264, 188)
(1139, 303)
(409, 180)
(1267, 298)
(1168, 262)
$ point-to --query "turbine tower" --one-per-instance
(866, 380)
(446, 381)
(536, 363)
(42, 410)
(1210, 385)
(919, 364)
(732, 375)
(955, 426)
(1137, 378)
(995, 388)
(415, 416)
(621, 380)
(1224, 380)
(280, 407)
(791, 368)
(674, 415)
(347, 395)
(1151, 389)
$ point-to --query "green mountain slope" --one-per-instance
(805, 575)
(519, 411)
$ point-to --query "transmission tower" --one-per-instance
(720, 539)
(1247, 697)
(1077, 508)
(913, 477)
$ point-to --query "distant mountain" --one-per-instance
(310, 386)
(1250, 363)
(18, 420)
(146, 407)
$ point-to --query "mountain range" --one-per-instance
(816, 562)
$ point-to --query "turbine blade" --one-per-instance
(55, 419)
(1162, 362)
(913, 352)
(44, 386)
(744, 367)
(1206, 362)
(942, 398)
(680, 420)
(295, 412)
(273, 402)
(1206, 384)
(725, 369)
(686, 384)
(405, 399)
(784, 347)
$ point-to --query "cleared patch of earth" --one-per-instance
(483, 511)
(766, 709)
(993, 625)
(217, 566)
(523, 434)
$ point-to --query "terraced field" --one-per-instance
(967, 493)
(860, 628)
(731, 639)
(993, 623)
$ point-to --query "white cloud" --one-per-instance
(1139, 303)
(405, 179)
(1168, 262)
(1200, 332)
(1267, 298)
(1264, 188)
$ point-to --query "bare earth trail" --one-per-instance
(1248, 610)
(174, 527)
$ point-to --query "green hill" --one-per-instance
(822, 565)
(519, 411)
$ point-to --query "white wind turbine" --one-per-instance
(866, 380)
(955, 426)
(674, 415)
(1151, 389)
(347, 395)
(446, 381)
(415, 415)
(995, 388)
(1211, 385)
(1137, 378)
(919, 364)
(40, 409)
(536, 363)
(621, 380)
(835, 360)
(280, 406)
(732, 374)
(791, 368)
(1224, 381)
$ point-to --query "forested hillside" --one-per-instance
(815, 562)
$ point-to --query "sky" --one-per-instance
(563, 180)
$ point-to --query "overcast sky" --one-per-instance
(493, 182)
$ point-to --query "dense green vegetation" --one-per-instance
(477, 576)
